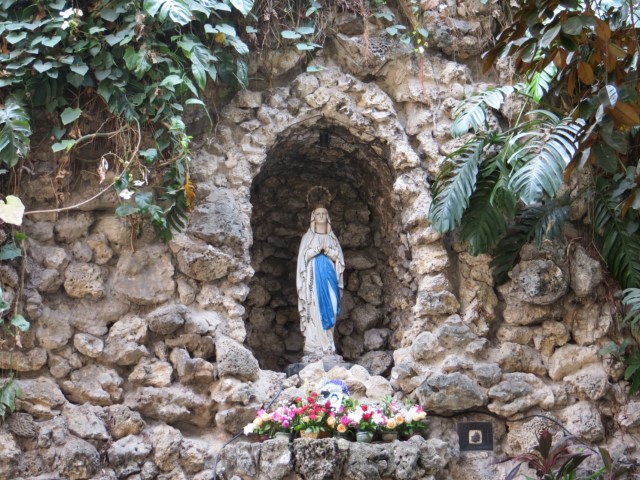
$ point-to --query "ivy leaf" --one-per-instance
(14, 38)
(42, 67)
(52, 42)
(15, 133)
(70, 115)
(20, 323)
(290, 34)
(65, 145)
(12, 211)
(126, 209)
(243, 6)
(144, 200)
(79, 68)
(10, 251)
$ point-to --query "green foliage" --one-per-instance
(9, 390)
(632, 372)
(471, 114)
(143, 60)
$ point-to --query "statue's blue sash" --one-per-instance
(328, 293)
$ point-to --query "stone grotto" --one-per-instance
(145, 359)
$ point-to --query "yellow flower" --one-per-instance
(420, 416)
(391, 424)
(258, 422)
(219, 37)
(266, 417)
(342, 428)
(305, 419)
(399, 419)
(331, 421)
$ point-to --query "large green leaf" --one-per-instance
(541, 158)
(483, 223)
(15, 132)
(243, 6)
(472, 113)
(632, 301)
(620, 248)
(176, 10)
(454, 186)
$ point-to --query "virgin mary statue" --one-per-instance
(319, 280)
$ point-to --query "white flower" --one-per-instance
(126, 194)
(67, 13)
(64, 25)
(248, 430)
(78, 12)
(421, 49)
(139, 183)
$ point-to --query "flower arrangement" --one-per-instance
(314, 414)
(406, 419)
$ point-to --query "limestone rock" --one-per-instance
(124, 422)
(77, 459)
(378, 388)
(194, 454)
(84, 422)
(130, 449)
(116, 230)
(73, 226)
(514, 334)
(569, 359)
(586, 272)
(583, 420)
(487, 374)
(365, 317)
(377, 362)
(521, 313)
(23, 361)
(152, 373)
(191, 370)
(99, 245)
(371, 287)
(235, 360)
(53, 328)
(216, 221)
(88, 345)
(123, 345)
(84, 280)
(275, 460)
(522, 436)
(239, 462)
(96, 384)
(629, 415)
(10, 455)
(176, 403)
(372, 461)
(450, 393)
(590, 382)
(425, 347)
(144, 277)
(167, 319)
(436, 303)
(200, 261)
(316, 459)
(518, 392)
(376, 338)
(358, 260)
(514, 357)
(549, 336)
(540, 282)
(22, 425)
(199, 346)
(166, 446)
(454, 333)
(234, 419)
(590, 323)
(41, 397)
(92, 317)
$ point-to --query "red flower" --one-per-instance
(309, 399)
(313, 416)
(327, 404)
(364, 408)
(314, 394)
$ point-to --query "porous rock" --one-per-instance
(84, 421)
(569, 359)
(586, 272)
(517, 392)
(41, 397)
(123, 422)
(84, 280)
(167, 319)
(450, 393)
(176, 403)
(144, 277)
(96, 384)
(23, 360)
(235, 360)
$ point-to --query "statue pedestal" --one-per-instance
(328, 362)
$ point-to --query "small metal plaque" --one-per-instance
(475, 436)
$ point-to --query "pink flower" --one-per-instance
(344, 420)
(285, 424)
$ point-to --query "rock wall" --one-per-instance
(143, 359)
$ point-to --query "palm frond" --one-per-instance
(455, 185)
(539, 82)
(539, 222)
(544, 154)
(483, 222)
(620, 248)
(632, 301)
(471, 114)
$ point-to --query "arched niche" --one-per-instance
(364, 215)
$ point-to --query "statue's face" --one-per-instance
(321, 216)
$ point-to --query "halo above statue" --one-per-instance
(318, 196)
